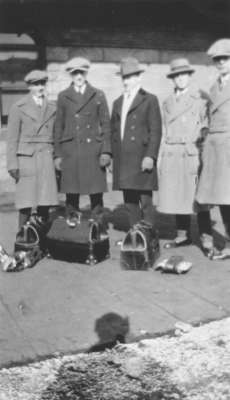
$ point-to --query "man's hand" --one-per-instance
(147, 164)
(57, 163)
(105, 160)
(14, 173)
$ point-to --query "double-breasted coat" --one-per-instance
(214, 183)
(82, 134)
(184, 117)
(30, 149)
(142, 136)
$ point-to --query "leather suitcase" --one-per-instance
(140, 247)
(81, 241)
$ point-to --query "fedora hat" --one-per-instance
(179, 66)
(35, 76)
(129, 66)
(219, 48)
(77, 64)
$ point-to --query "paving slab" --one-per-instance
(59, 307)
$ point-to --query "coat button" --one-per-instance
(132, 138)
(88, 140)
(133, 127)
(88, 126)
(77, 115)
(77, 127)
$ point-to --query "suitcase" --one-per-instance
(140, 247)
(77, 240)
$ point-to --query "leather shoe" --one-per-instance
(174, 243)
(214, 254)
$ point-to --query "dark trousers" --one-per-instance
(225, 214)
(140, 205)
(96, 201)
(183, 222)
(25, 213)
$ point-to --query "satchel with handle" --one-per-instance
(75, 239)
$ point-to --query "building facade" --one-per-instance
(154, 31)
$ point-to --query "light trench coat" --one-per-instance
(214, 184)
(178, 169)
(30, 149)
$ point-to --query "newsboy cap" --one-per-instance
(77, 64)
(179, 66)
(35, 76)
(129, 66)
(219, 48)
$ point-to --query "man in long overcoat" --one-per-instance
(214, 183)
(186, 118)
(30, 149)
(82, 138)
(136, 135)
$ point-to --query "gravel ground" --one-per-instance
(194, 365)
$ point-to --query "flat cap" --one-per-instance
(35, 76)
(77, 64)
(219, 48)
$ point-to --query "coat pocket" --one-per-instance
(25, 149)
(145, 140)
(26, 165)
(193, 164)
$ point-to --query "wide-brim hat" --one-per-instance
(180, 66)
(219, 48)
(77, 64)
(129, 66)
(36, 76)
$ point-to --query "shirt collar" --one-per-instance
(38, 99)
(224, 78)
(133, 92)
(81, 89)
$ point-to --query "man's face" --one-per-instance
(181, 81)
(79, 78)
(222, 63)
(131, 81)
(38, 88)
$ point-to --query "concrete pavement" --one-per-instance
(58, 307)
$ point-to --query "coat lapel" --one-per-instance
(138, 99)
(175, 108)
(119, 105)
(48, 110)
(30, 108)
(80, 101)
(218, 97)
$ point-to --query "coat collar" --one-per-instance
(80, 101)
(218, 97)
(174, 107)
(138, 99)
(29, 107)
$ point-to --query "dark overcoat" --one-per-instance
(142, 136)
(82, 134)
(30, 149)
